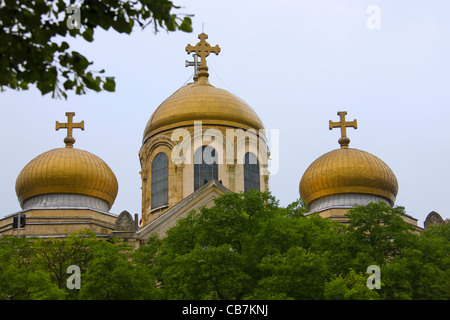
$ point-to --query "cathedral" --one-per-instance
(199, 144)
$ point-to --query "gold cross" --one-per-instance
(203, 48)
(344, 140)
(69, 140)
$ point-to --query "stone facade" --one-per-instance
(59, 222)
(180, 152)
(433, 219)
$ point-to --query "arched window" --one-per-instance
(205, 166)
(160, 180)
(251, 172)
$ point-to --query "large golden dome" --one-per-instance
(347, 171)
(200, 101)
(67, 170)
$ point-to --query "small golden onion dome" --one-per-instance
(348, 170)
(200, 101)
(67, 170)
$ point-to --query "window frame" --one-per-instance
(253, 168)
(204, 170)
(160, 187)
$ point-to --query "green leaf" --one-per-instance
(109, 85)
(91, 83)
(121, 25)
(23, 85)
(88, 35)
(64, 46)
(79, 62)
(186, 25)
(68, 84)
(171, 23)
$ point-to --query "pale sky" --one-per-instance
(296, 63)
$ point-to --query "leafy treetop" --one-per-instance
(33, 50)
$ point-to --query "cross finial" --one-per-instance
(203, 49)
(69, 140)
(344, 140)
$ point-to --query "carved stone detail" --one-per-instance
(433, 219)
(125, 222)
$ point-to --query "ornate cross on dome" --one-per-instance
(344, 140)
(202, 48)
(69, 140)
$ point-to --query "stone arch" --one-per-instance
(433, 219)
(125, 222)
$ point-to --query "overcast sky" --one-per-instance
(296, 63)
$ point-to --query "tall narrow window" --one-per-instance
(205, 166)
(251, 172)
(160, 181)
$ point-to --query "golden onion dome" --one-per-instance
(345, 171)
(67, 170)
(200, 101)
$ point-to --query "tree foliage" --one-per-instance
(244, 247)
(33, 34)
(261, 251)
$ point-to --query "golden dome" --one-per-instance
(200, 101)
(67, 170)
(348, 170)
